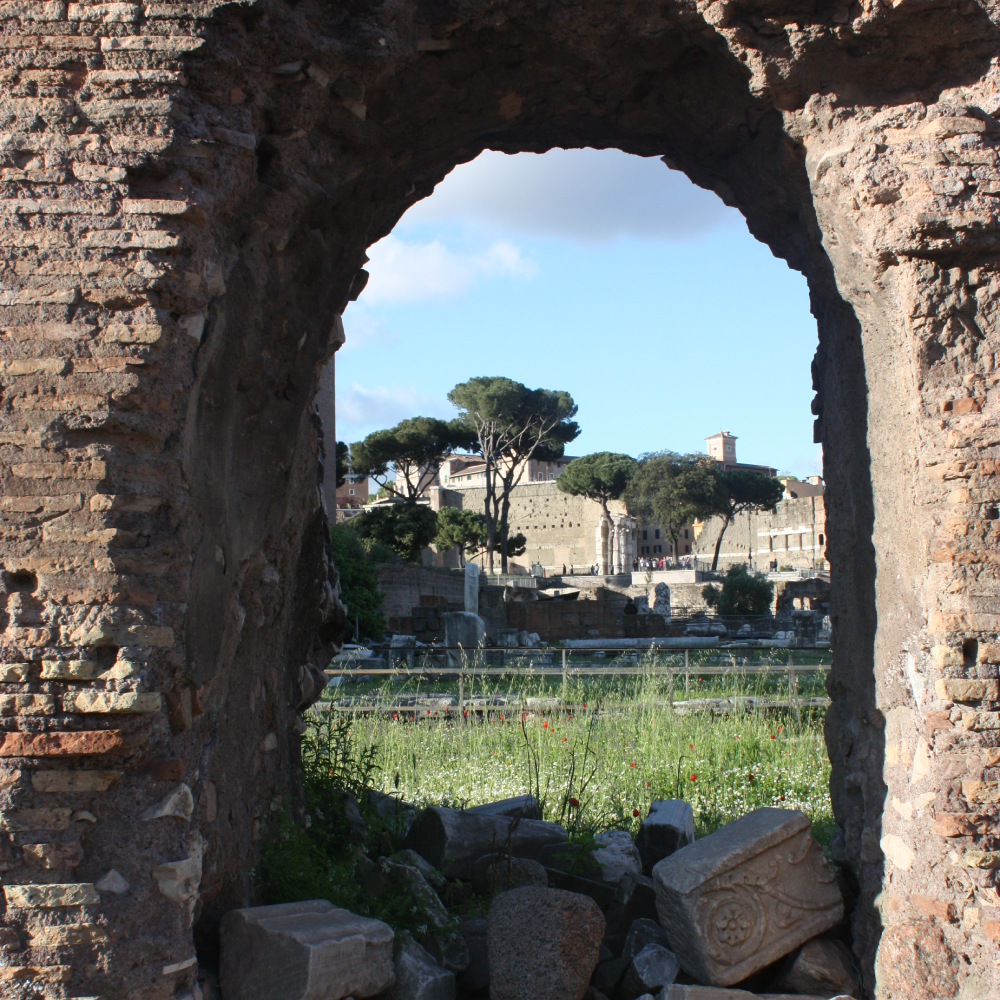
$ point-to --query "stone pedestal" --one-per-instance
(472, 587)
(746, 895)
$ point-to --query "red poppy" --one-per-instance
(782, 798)
(575, 803)
(564, 739)
(632, 764)
(691, 746)
(635, 812)
(466, 711)
(584, 704)
(394, 715)
(694, 777)
(545, 725)
(750, 777)
(772, 736)
(780, 728)
(428, 711)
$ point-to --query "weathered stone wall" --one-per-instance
(188, 190)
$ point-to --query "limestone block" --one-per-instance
(304, 951)
(418, 976)
(981, 720)
(678, 992)
(821, 967)
(27, 704)
(517, 805)
(174, 45)
(73, 781)
(26, 820)
(463, 628)
(112, 882)
(746, 895)
(27, 897)
(69, 670)
(668, 827)
(643, 932)
(471, 585)
(52, 856)
(13, 673)
(542, 943)
(111, 702)
(453, 841)
(67, 935)
(652, 969)
(617, 855)
(36, 973)
(179, 802)
(955, 689)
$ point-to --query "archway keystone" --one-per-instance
(187, 192)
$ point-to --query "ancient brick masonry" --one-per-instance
(188, 191)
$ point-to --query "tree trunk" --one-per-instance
(504, 514)
(491, 521)
(718, 542)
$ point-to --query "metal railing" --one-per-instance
(480, 667)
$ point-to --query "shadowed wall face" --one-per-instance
(189, 190)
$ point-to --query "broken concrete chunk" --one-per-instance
(746, 895)
(418, 976)
(542, 943)
(617, 856)
(668, 827)
(642, 933)
(179, 802)
(652, 969)
(304, 951)
(453, 841)
(821, 967)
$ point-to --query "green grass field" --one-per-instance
(598, 765)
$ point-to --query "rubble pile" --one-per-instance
(751, 911)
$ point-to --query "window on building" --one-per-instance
(786, 543)
(686, 533)
(687, 549)
(645, 534)
(657, 548)
(656, 534)
(820, 539)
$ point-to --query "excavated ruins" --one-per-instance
(188, 190)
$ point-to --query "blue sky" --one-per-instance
(604, 274)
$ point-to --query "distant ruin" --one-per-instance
(188, 192)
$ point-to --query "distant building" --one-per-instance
(722, 447)
(353, 493)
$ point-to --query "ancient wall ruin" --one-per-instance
(188, 190)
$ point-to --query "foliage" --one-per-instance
(741, 593)
(618, 747)
(343, 462)
(406, 528)
(742, 491)
(602, 476)
(464, 528)
(414, 450)
(673, 490)
(358, 582)
(512, 425)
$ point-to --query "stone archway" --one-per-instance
(189, 189)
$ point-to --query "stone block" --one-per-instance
(956, 689)
(68, 936)
(69, 670)
(476, 976)
(179, 802)
(643, 933)
(27, 704)
(418, 976)
(518, 805)
(652, 969)
(463, 628)
(130, 702)
(73, 781)
(617, 856)
(746, 895)
(453, 841)
(304, 951)
(634, 899)
(493, 874)
(678, 992)
(27, 820)
(668, 827)
(821, 967)
(52, 856)
(542, 943)
(29, 897)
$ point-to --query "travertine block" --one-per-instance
(27, 704)
(746, 895)
(51, 857)
(67, 935)
(111, 702)
(668, 827)
(956, 689)
(73, 781)
(26, 897)
(14, 673)
(304, 951)
(981, 720)
(26, 820)
(69, 670)
(36, 973)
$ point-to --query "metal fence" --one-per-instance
(538, 663)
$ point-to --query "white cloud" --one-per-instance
(360, 410)
(588, 195)
(408, 272)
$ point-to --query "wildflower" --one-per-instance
(750, 777)
(772, 736)
(691, 746)
(564, 739)
(780, 728)
(428, 711)
(781, 798)
(635, 812)
(694, 777)
(575, 803)
(545, 725)
(584, 704)
(631, 763)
